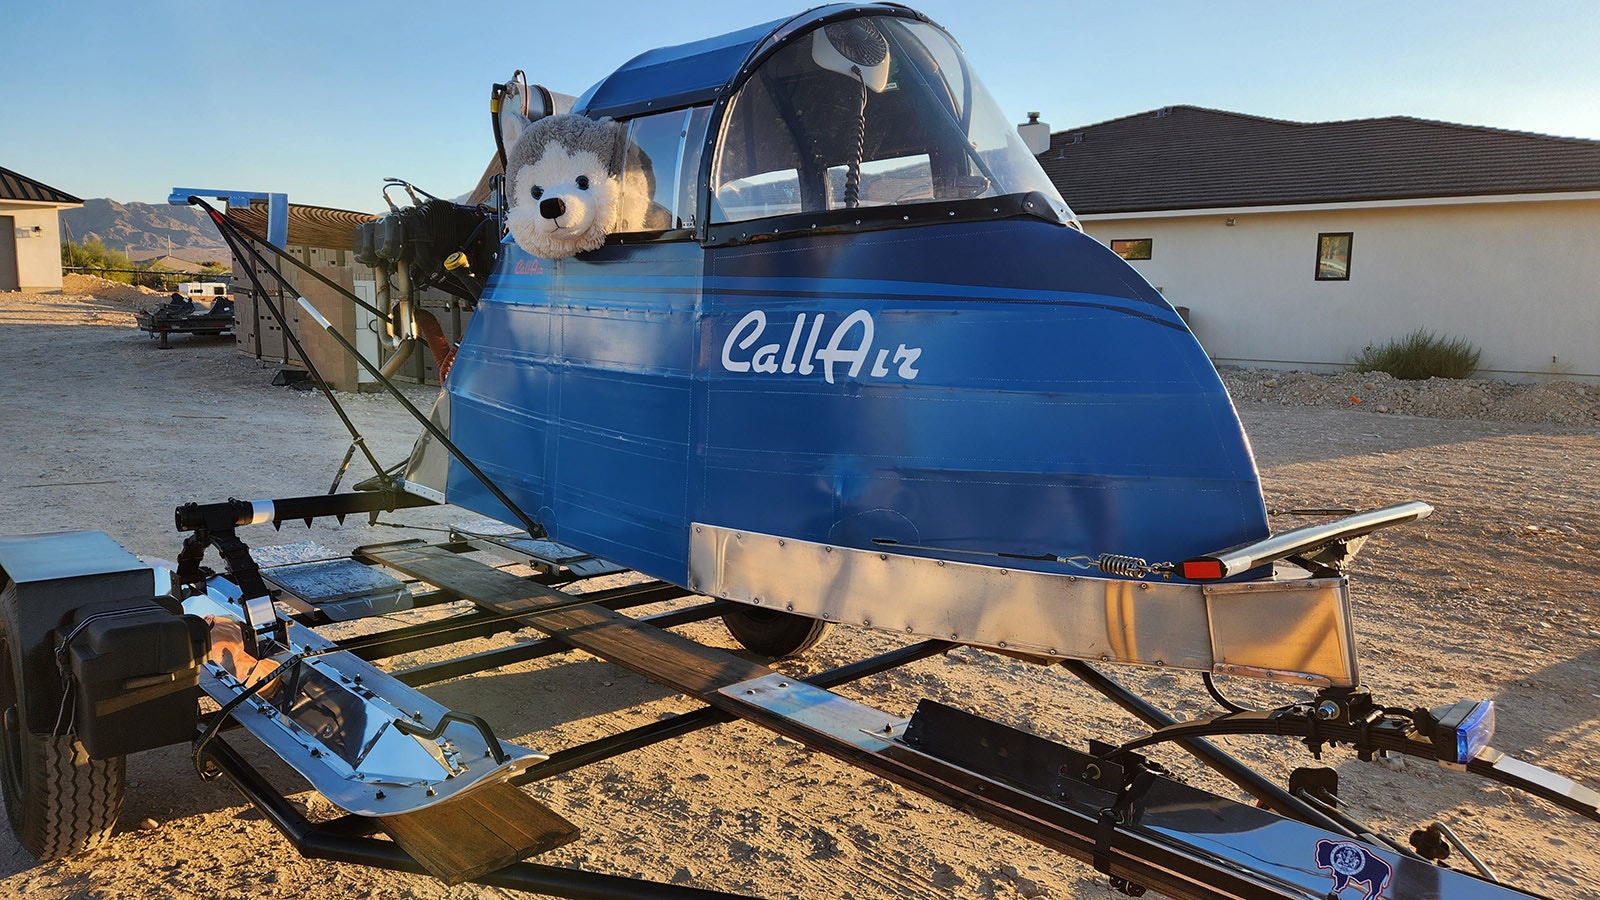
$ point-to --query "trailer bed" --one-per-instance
(1139, 826)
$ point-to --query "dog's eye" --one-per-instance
(537, 192)
(583, 182)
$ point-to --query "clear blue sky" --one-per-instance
(322, 100)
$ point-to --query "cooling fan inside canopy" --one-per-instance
(855, 48)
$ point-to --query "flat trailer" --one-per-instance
(430, 789)
(188, 313)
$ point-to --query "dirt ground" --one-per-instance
(1491, 597)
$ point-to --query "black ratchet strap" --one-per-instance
(1123, 813)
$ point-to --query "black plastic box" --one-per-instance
(136, 673)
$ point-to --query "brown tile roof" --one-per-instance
(20, 187)
(1187, 157)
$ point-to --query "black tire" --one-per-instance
(60, 802)
(772, 633)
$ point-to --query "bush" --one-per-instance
(1420, 355)
(155, 276)
(95, 258)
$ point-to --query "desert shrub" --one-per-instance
(95, 258)
(1420, 355)
(156, 276)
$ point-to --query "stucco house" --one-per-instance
(1295, 245)
(30, 233)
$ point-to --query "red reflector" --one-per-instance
(1202, 569)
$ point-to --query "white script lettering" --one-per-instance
(848, 348)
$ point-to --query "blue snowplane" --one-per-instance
(873, 332)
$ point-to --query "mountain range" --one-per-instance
(143, 230)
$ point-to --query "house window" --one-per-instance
(1333, 255)
(1136, 248)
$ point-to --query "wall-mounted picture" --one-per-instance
(1333, 256)
(1138, 248)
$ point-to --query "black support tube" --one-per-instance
(233, 513)
(532, 527)
(1252, 782)
(481, 623)
(229, 235)
(432, 673)
(595, 751)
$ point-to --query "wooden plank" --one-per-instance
(482, 584)
(701, 671)
(661, 656)
(486, 829)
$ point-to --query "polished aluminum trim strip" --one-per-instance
(1295, 631)
(1244, 557)
(819, 709)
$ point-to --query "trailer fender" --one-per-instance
(43, 579)
(59, 801)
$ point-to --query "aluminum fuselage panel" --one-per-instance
(1001, 386)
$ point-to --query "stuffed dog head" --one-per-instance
(566, 189)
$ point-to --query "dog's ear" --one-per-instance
(614, 135)
(513, 125)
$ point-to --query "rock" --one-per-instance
(148, 824)
(1027, 887)
(944, 877)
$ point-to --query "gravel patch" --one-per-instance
(1549, 403)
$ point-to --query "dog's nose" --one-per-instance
(552, 208)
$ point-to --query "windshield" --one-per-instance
(872, 111)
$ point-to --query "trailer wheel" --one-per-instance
(60, 802)
(772, 633)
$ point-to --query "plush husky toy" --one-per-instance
(570, 181)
